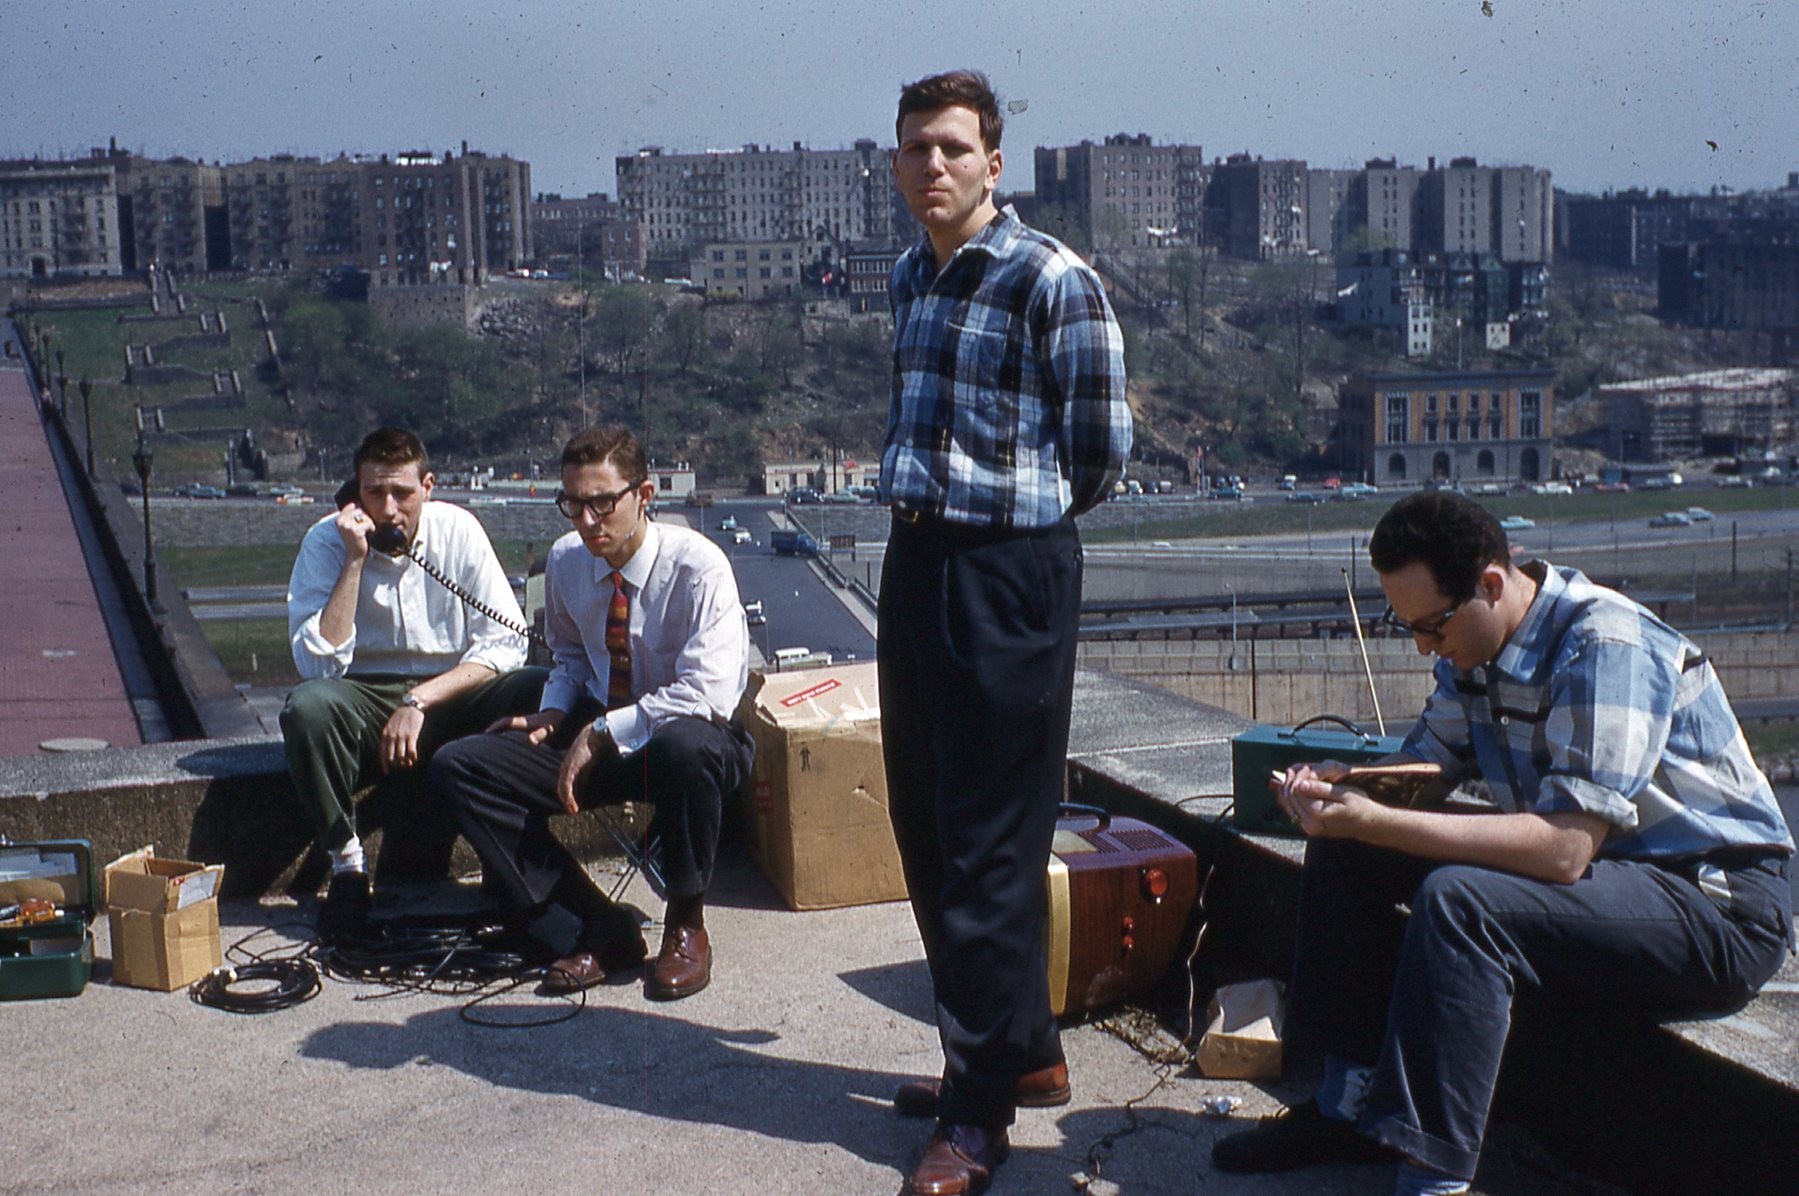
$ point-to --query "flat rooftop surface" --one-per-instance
(775, 1079)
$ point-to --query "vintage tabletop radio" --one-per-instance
(1120, 892)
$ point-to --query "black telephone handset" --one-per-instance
(389, 539)
(384, 538)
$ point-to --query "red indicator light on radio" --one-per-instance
(1155, 883)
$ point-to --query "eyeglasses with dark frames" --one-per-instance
(1429, 628)
(597, 505)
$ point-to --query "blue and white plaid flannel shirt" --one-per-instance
(1008, 404)
(1598, 706)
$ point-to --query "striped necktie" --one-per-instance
(618, 644)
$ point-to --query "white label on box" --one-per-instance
(196, 887)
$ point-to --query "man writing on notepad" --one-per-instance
(1637, 859)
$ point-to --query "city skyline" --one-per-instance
(1605, 96)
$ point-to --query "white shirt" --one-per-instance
(407, 624)
(690, 642)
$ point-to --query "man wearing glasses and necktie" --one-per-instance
(1635, 866)
(651, 656)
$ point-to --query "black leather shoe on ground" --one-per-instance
(1300, 1136)
(1044, 1088)
(347, 905)
(959, 1160)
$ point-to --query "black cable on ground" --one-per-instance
(465, 957)
(292, 982)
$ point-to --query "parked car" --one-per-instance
(728, 524)
(1699, 515)
(742, 536)
(1228, 491)
(1356, 491)
(1305, 496)
(754, 613)
(1672, 519)
(286, 489)
(801, 495)
(200, 490)
(1517, 523)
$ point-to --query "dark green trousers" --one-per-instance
(331, 727)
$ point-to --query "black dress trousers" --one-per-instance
(502, 789)
(976, 651)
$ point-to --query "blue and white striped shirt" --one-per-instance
(1008, 404)
(1596, 705)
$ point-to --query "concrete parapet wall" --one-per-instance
(1288, 681)
(225, 801)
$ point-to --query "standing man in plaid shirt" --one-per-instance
(1636, 865)
(1008, 419)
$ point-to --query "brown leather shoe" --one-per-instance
(958, 1161)
(1044, 1088)
(621, 955)
(683, 966)
(571, 974)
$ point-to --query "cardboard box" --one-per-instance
(165, 920)
(1243, 1034)
(818, 815)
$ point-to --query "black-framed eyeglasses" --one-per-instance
(597, 505)
(1430, 628)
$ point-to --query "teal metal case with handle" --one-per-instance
(46, 954)
(1262, 750)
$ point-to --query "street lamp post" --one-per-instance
(87, 418)
(142, 458)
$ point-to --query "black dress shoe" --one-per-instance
(959, 1160)
(345, 913)
(1045, 1088)
(1300, 1136)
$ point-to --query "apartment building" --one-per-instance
(1383, 205)
(1746, 278)
(413, 218)
(1261, 206)
(171, 212)
(820, 199)
(592, 229)
(1385, 289)
(1468, 427)
(1127, 192)
(58, 220)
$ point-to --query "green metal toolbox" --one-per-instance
(1261, 750)
(54, 957)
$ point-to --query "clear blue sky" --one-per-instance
(1604, 94)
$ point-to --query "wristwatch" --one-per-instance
(412, 699)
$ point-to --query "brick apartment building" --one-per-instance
(58, 220)
(592, 229)
(1126, 192)
(821, 199)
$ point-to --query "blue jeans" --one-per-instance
(1426, 1000)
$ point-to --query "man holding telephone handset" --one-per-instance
(393, 662)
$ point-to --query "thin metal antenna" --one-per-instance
(1355, 618)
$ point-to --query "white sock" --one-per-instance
(348, 858)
